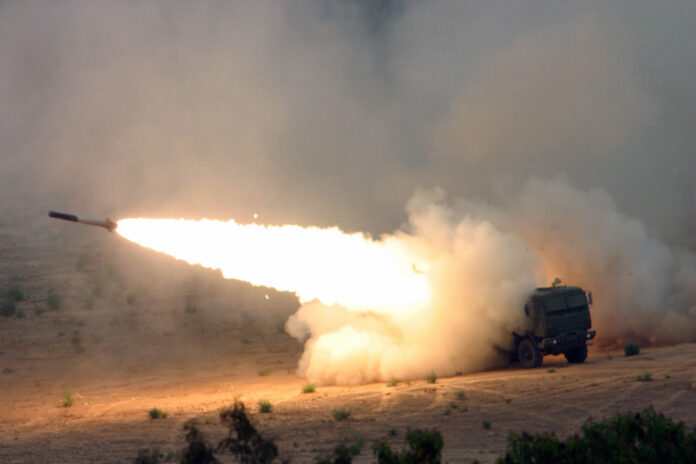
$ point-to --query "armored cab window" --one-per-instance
(577, 300)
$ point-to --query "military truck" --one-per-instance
(557, 320)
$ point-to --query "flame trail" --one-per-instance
(329, 265)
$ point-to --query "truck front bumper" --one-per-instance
(567, 341)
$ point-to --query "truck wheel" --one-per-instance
(577, 355)
(529, 354)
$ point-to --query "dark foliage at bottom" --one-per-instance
(424, 447)
(342, 454)
(645, 438)
(198, 450)
(243, 440)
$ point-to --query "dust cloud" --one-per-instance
(562, 135)
(482, 262)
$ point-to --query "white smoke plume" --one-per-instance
(483, 266)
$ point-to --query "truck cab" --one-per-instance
(557, 320)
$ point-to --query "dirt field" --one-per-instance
(130, 330)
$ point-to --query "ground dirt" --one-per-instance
(135, 330)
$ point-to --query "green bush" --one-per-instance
(432, 377)
(424, 447)
(646, 438)
(487, 425)
(342, 454)
(631, 349)
(309, 388)
(243, 440)
(156, 413)
(265, 406)
(69, 400)
(393, 382)
(341, 414)
(15, 293)
(198, 450)
(647, 377)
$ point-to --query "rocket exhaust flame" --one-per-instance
(351, 270)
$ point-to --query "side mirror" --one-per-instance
(589, 297)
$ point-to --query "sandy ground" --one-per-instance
(135, 330)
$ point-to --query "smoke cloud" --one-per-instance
(563, 136)
(482, 266)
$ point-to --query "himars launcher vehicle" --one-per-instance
(557, 320)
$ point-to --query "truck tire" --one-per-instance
(529, 354)
(577, 355)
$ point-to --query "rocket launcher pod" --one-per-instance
(108, 224)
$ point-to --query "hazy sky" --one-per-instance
(335, 112)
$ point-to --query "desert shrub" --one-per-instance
(647, 377)
(341, 414)
(424, 447)
(9, 299)
(342, 454)
(461, 395)
(265, 372)
(15, 293)
(631, 349)
(486, 424)
(243, 440)
(432, 377)
(198, 450)
(68, 398)
(309, 388)
(156, 413)
(53, 300)
(265, 406)
(646, 438)
(393, 382)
